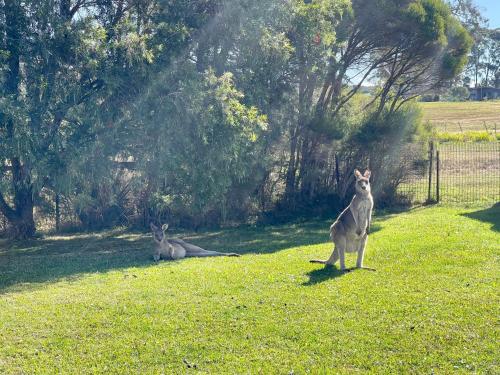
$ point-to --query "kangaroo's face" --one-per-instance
(159, 233)
(363, 182)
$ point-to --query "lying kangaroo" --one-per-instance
(173, 249)
(349, 232)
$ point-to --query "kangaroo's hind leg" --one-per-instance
(361, 253)
(196, 251)
(330, 261)
(334, 257)
(335, 253)
(340, 246)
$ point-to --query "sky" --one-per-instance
(491, 9)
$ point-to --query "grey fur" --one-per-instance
(349, 232)
(174, 248)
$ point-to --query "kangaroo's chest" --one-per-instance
(362, 211)
(172, 250)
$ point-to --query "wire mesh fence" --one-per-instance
(414, 184)
(455, 172)
(469, 172)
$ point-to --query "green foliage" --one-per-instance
(458, 94)
(438, 39)
(67, 66)
(377, 142)
(483, 66)
(468, 136)
(432, 15)
(209, 141)
(459, 46)
(205, 110)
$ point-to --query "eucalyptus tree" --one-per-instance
(471, 17)
(237, 59)
(59, 60)
(411, 46)
(199, 94)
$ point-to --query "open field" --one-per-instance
(463, 116)
(96, 303)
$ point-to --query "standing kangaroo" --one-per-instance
(349, 232)
(173, 248)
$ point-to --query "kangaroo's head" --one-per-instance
(362, 182)
(159, 233)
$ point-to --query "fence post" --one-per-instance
(486, 128)
(431, 154)
(437, 175)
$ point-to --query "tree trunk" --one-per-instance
(21, 218)
(20, 214)
(24, 226)
(58, 212)
(307, 166)
(292, 166)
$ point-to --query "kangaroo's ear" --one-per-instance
(357, 173)
(153, 227)
(367, 174)
(164, 227)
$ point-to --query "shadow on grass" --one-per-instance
(323, 274)
(330, 272)
(375, 228)
(48, 260)
(264, 240)
(70, 256)
(67, 257)
(261, 240)
(490, 215)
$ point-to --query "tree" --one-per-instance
(161, 122)
(57, 57)
(411, 46)
(483, 56)
(195, 106)
(204, 140)
(491, 61)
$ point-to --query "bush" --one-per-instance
(300, 207)
(469, 136)
(457, 94)
(378, 144)
(209, 145)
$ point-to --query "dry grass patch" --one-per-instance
(462, 116)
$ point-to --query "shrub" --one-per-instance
(457, 94)
(469, 136)
(378, 144)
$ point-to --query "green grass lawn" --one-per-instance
(463, 116)
(98, 304)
